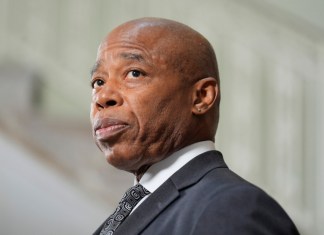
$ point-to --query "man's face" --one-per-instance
(141, 108)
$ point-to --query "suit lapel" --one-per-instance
(149, 209)
(188, 175)
(168, 192)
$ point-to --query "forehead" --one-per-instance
(123, 49)
(129, 48)
(125, 56)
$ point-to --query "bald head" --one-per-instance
(181, 47)
(156, 82)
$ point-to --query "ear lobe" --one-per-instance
(204, 95)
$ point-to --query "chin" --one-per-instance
(123, 162)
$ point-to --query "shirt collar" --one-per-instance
(158, 173)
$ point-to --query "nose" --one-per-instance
(107, 97)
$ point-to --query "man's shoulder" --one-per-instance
(207, 195)
(221, 189)
(224, 186)
(239, 205)
(235, 205)
(208, 170)
(230, 190)
(221, 182)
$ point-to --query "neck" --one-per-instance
(140, 172)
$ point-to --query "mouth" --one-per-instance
(106, 129)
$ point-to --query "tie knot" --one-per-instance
(126, 205)
(134, 194)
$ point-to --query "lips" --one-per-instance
(107, 128)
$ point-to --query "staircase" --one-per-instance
(53, 177)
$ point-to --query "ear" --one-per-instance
(204, 95)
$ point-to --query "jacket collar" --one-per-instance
(169, 191)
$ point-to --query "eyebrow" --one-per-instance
(132, 56)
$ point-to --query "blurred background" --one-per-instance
(271, 55)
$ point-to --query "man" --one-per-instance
(155, 110)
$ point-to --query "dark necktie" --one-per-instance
(125, 206)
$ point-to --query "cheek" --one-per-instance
(158, 119)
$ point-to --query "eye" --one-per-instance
(97, 83)
(134, 74)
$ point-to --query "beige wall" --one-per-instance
(271, 129)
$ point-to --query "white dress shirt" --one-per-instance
(158, 173)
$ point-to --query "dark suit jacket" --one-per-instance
(205, 197)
